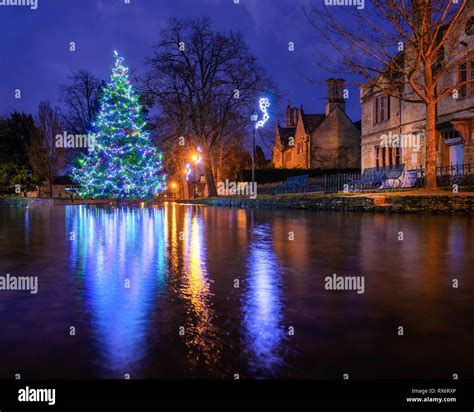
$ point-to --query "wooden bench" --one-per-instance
(293, 184)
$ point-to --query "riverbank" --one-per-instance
(439, 202)
(396, 202)
(41, 201)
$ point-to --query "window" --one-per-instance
(288, 155)
(398, 155)
(384, 156)
(376, 120)
(377, 156)
(382, 108)
(470, 26)
(466, 73)
(299, 148)
(390, 156)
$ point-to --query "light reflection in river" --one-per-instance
(200, 334)
(262, 308)
(182, 263)
(119, 255)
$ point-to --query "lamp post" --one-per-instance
(253, 119)
(195, 160)
(194, 176)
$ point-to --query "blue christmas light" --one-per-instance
(264, 105)
(122, 163)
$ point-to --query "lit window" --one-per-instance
(390, 156)
(377, 156)
(398, 155)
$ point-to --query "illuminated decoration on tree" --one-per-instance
(122, 163)
(264, 105)
(196, 159)
(188, 171)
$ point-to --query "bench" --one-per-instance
(372, 177)
(379, 178)
(293, 184)
(394, 176)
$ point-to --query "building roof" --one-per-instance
(285, 134)
(312, 121)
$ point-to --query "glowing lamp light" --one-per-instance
(264, 105)
(197, 156)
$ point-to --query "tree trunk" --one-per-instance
(431, 146)
(183, 191)
(211, 184)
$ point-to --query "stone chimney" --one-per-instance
(335, 95)
(291, 115)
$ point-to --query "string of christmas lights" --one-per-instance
(122, 163)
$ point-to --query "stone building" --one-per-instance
(325, 141)
(387, 119)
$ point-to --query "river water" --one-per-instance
(199, 292)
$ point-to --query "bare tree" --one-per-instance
(204, 82)
(80, 98)
(45, 159)
(403, 48)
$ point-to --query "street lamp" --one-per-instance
(253, 119)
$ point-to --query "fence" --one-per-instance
(331, 183)
(461, 175)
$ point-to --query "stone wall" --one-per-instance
(31, 201)
(39, 201)
(432, 204)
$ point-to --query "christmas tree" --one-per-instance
(121, 162)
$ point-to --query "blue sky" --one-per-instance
(35, 52)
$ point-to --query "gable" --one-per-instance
(342, 116)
